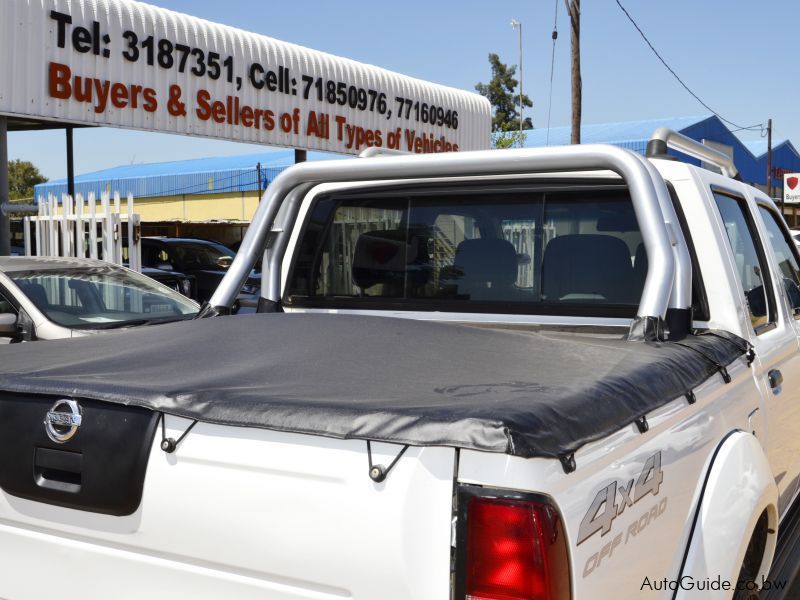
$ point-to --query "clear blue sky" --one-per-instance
(739, 56)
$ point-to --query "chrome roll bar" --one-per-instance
(664, 138)
(647, 189)
(681, 297)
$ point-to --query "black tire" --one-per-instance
(746, 584)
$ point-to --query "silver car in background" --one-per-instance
(46, 298)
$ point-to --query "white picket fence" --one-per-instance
(81, 230)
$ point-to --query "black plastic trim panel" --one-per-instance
(101, 468)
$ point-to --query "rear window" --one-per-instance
(519, 252)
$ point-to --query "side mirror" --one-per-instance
(757, 301)
(8, 325)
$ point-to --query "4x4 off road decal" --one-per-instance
(605, 508)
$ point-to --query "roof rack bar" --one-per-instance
(664, 138)
(374, 151)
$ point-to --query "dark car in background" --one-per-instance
(180, 282)
(205, 260)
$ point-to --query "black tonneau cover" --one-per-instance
(377, 378)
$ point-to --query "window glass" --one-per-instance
(749, 266)
(198, 256)
(101, 297)
(525, 247)
(782, 246)
(382, 226)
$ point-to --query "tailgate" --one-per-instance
(233, 513)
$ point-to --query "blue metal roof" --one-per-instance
(749, 157)
(759, 147)
(631, 132)
(196, 176)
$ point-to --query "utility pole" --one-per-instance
(517, 25)
(574, 12)
(769, 161)
(5, 224)
(70, 165)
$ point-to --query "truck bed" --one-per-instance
(380, 379)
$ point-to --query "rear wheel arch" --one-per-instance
(738, 502)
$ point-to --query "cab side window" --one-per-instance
(783, 247)
(751, 265)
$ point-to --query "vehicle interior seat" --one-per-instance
(486, 269)
(587, 268)
(384, 258)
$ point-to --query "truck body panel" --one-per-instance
(249, 512)
(246, 513)
(684, 436)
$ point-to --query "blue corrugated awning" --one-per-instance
(196, 176)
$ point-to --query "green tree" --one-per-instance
(22, 176)
(509, 137)
(500, 91)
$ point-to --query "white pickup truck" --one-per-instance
(530, 374)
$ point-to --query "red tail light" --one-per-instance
(515, 550)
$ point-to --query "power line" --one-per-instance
(757, 126)
(552, 69)
(686, 87)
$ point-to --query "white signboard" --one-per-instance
(791, 188)
(126, 64)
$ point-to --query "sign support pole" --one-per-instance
(70, 165)
(5, 223)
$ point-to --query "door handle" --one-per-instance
(58, 469)
(775, 378)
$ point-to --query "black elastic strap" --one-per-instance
(710, 359)
(378, 472)
(169, 445)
